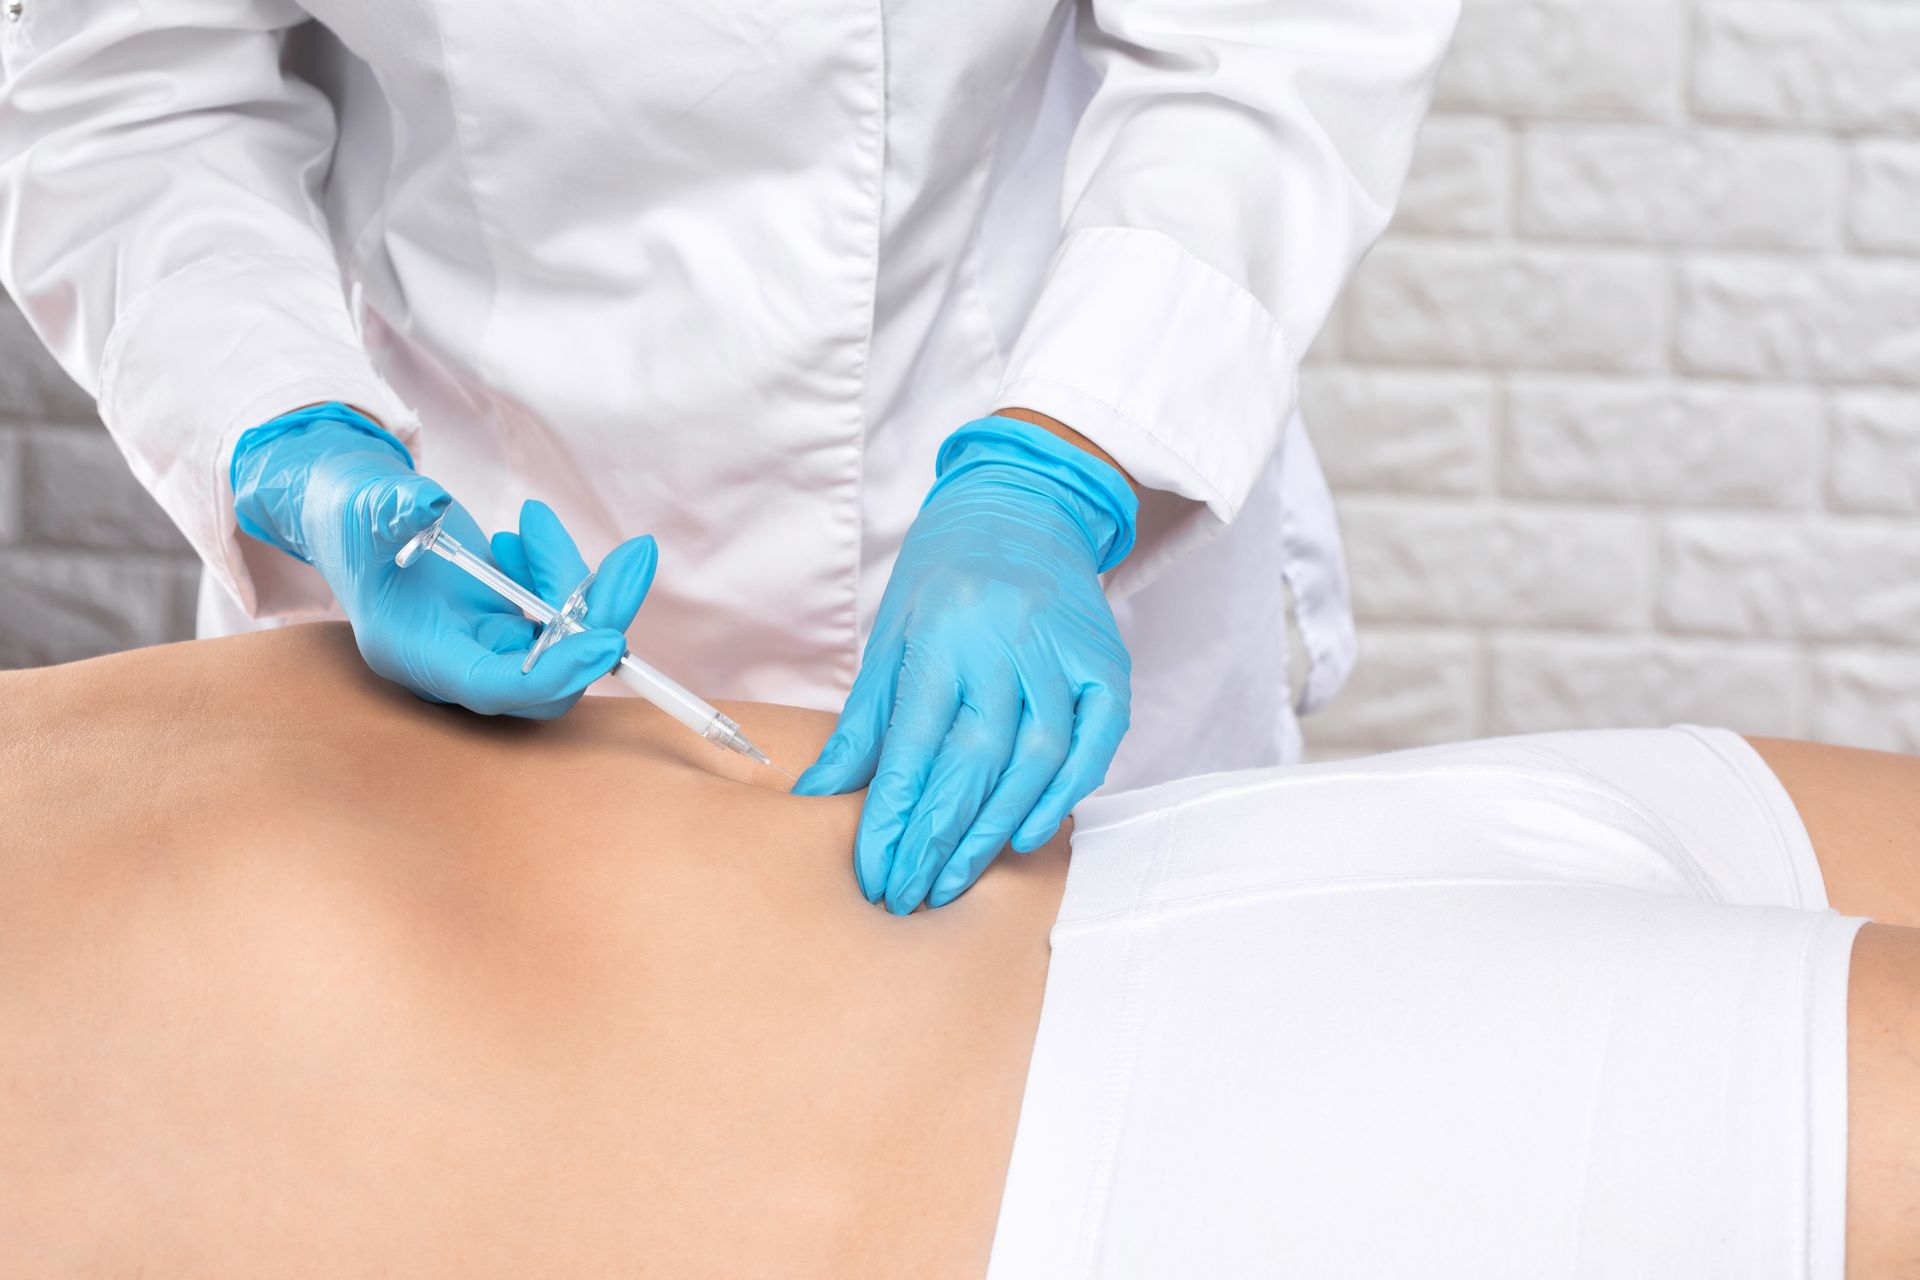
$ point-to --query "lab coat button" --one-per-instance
(14, 9)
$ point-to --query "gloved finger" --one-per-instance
(505, 633)
(851, 752)
(621, 585)
(1100, 722)
(552, 558)
(971, 760)
(1039, 749)
(511, 557)
(397, 508)
(492, 683)
(551, 710)
(924, 708)
(587, 663)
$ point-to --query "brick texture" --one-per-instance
(1461, 179)
(12, 492)
(79, 493)
(1567, 59)
(1803, 319)
(88, 564)
(1410, 686)
(1867, 697)
(62, 605)
(1647, 442)
(1457, 563)
(1544, 682)
(1710, 187)
(1844, 64)
(1791, 578)
(1623, 415)
(1876, 452)
(1506, 306)
(1403, 431)
(1883, 207)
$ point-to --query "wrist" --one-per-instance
(1072, 437)
(274, 465)
(1094, 494)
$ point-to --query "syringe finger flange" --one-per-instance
(419, 544)
(570, 619)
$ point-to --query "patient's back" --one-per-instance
(299, 975)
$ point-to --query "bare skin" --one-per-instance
(1862, 809)
(286, 950)
(303, 975)
(1883, 1104)
(1035, 418)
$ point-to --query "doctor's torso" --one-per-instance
(729, 273)
(710, 270)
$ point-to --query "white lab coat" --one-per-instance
(729, 272)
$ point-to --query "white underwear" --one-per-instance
(1566, 1005)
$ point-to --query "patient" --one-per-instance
(301, 976)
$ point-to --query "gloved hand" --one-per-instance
(543, 558)
(325, 484)
(995, 688)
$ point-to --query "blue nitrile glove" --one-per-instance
(543, 558)
(325, 484)
(995, 688)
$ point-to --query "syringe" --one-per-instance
(671, 697)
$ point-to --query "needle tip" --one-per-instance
(761, 756)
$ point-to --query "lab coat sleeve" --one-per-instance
(1235, 162)
(159, 226)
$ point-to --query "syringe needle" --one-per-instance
(673, 698)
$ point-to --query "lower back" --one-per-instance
(301, 974)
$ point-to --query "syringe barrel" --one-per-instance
(671, 697)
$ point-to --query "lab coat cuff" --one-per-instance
(1167, 364)
(213, 350)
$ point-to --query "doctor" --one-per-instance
(950, 359)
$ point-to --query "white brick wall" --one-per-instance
(1624, 415)
(88, 564)
(1845, 64)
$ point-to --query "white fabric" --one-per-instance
(728, 272)
(1569, 1005)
